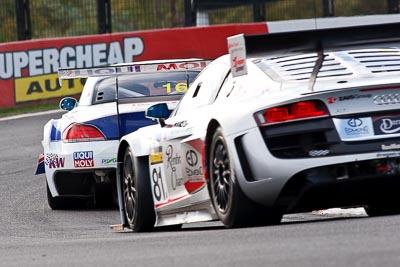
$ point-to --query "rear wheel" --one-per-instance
(382, 209)
(63, 203)
(233, 208)
(226, 196)
(138, 201)
(55, 203)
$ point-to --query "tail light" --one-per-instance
(77, 132)
(294, 111)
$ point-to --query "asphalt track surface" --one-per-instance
(31, 234)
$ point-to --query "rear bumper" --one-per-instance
(68, 165)
(270, 181)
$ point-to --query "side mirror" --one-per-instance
(68, 103)
(158, 112)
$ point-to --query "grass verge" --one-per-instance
(27, 109)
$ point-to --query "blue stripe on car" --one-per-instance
(129, 122)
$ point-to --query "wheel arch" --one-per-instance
(212, 126)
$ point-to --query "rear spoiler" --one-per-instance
(131, 68)
(319, 41)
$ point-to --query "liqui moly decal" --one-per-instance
(134, 68)
(195, 65)
(104, 71)
(83, 159)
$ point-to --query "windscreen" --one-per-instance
(143, 85)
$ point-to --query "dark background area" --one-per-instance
(34, 19)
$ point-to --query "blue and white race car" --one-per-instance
(80, 149)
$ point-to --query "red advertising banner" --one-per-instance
(28, 69)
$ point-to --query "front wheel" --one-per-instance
(137, 197)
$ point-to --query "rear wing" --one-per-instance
(321, 40)
(132, 68)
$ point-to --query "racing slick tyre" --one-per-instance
(381, 209)
(137, 197)
(233, 208)
(55, 203)
(63, 203)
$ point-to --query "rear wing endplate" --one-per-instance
(241, 47)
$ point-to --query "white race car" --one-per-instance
(80, 148)
(288, 122)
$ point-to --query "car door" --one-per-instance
(175, 162)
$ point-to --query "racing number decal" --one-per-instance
(179, 87)
(158, 187)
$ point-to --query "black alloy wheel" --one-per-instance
(137, 198)
(221, 173)
(232, 206)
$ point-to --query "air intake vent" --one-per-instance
(100, 96)
(300, 67)
(378, 61)
(357, 63)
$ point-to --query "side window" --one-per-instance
(104, 91)
(204, 89)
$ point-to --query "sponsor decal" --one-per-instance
(318, 153)
(237, 51)
(332, 100)
(354, 128)
(83, 159)
(354, 123)
(387, 125)
(194, 169)
(182, 66)
(191, 158)
(45, 87)
(181, 124)
(156, 155)
(109, 161)
(390, 147)
(34, 71)
(388, 154)
(144, 68)
(172, 162)
(49, 60)
(53, 161)
(387, 99)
